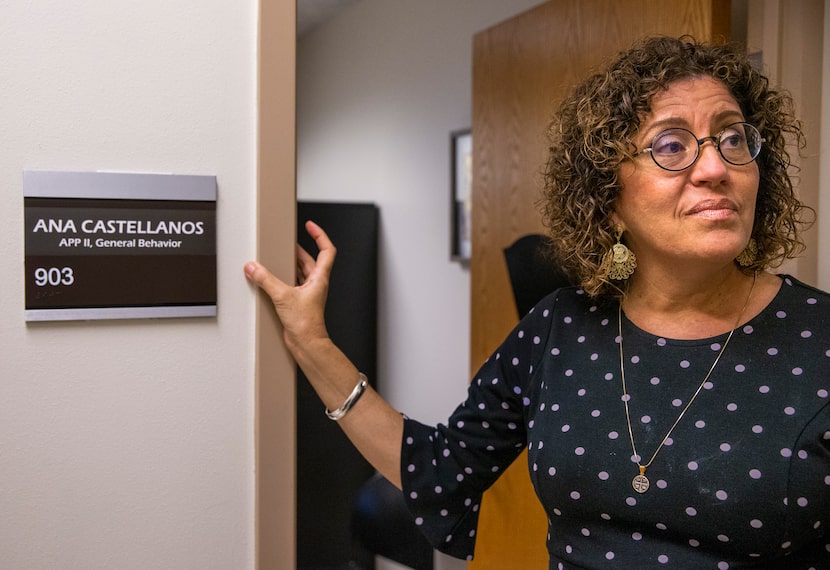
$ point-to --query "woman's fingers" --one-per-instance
(259, 275)
(300, 307)
(305, 265)
(325, 258)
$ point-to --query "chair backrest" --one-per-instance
(532, 274)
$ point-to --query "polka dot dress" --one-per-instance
(743, 481)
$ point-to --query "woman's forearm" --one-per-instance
(373, 426)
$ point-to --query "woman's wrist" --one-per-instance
(310, 348)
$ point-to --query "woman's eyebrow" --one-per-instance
(731, 115)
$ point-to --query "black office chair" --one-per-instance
(382, 523)
(532, 274)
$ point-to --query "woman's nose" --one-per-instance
(710, 166)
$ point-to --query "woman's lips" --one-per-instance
(713, 209)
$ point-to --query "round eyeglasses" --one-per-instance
(677, 149)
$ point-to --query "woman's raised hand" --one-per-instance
(300, 307)
(374, 426)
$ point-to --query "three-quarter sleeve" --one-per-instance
(445, 469)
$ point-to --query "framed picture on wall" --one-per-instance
(461, 192)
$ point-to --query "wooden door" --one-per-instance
(521, 68)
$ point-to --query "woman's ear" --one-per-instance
(616, 222)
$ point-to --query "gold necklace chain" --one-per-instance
(640, 481)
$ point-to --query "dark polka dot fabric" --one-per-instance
(742, 482)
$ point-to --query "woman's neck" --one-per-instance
(688, 305)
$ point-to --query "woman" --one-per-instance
(675, 407)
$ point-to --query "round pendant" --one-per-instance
(640, 483)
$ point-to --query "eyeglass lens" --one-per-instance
(676, 149)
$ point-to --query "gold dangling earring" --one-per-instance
(623, 260)
(750, 253)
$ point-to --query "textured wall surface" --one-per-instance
(129, 444)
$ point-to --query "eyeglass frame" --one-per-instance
(716, 140)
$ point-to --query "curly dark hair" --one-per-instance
(592, 133)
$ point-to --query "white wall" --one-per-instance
(128, 444)
(380, 87)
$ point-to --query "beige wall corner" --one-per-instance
(789, 38)
(824, 154)
(276, 235)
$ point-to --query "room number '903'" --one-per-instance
(54, 276)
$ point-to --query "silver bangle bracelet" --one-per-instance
(351, 400)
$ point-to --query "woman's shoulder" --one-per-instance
(568, 304)
(796, 292)
(564, 297)
(799, 304)
(799, 288)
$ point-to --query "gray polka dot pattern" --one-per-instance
(743, 481)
